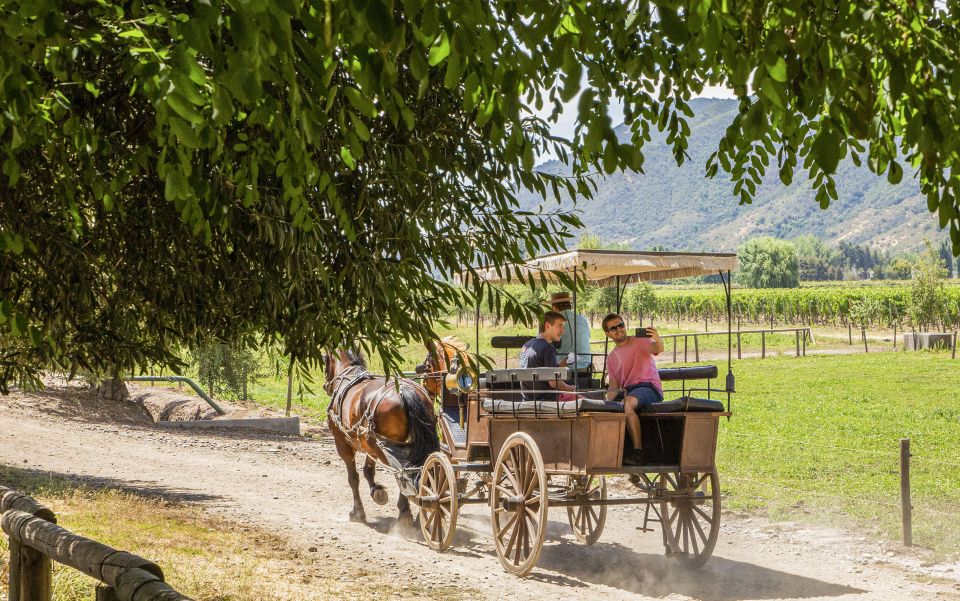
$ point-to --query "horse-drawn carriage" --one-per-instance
(521, 457)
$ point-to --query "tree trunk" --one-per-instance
(113, 390)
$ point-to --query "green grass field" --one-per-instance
(819, 437)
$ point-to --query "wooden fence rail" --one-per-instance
(36, 541)
(801, 334)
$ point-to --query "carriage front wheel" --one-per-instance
(587, 520)
(518, 504)
(439, 502)
(690, 515)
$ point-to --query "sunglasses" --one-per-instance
(616, 327)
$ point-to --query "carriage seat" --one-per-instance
(551, 408)
(683, 405)
(496, 379)
(694, 372)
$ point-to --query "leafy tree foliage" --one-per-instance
(768, 263)
(927, 292)
(174, 171)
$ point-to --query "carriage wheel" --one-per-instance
(518, 504)
(587, 520)
(690, 515)
(439, 501)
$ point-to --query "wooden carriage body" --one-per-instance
(578, 442)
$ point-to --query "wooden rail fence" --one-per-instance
(36, 541)
(801, 334)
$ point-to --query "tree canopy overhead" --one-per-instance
(173, 171)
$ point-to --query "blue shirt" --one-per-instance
(583, 339)
(537, 352)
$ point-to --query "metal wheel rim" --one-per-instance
(690, 523)
(519, 533)
(439, 523)
(587, 521)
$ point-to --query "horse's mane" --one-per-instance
(454, 342)
(356, 358)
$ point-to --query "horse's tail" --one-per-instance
(421, 423)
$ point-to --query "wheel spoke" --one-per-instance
(533, 517)
(595, 514)
(512, 521)
(700, 532)
(703, 513)
(531, 484)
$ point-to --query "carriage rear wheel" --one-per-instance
(518, 504)
(690, 515)
(439, 501)
(587, 520)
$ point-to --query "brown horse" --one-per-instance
(440, 355)
(369, 413)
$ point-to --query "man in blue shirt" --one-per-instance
(561, 303)
(540, 352)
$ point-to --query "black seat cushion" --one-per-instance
(694, 372)
(683, 405)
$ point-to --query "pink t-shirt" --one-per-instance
(632, 363)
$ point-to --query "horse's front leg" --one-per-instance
(377, 492)
(346, 452)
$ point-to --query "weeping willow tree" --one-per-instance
(302, 172)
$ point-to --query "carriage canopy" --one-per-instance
(608, 266)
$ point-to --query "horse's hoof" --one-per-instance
(406, 525)
(358, 516)
(379, 495)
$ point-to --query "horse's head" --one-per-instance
(337, 361)
(435, 366)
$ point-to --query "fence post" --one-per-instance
(106, 593)
(696, 348)
(797, 335)
(805, 341)
(685, 348)
(953, 354)
(31, 572)
(674, 349)
(739, 349)
(763, 345)
(863, 334)
(907, 507)
(849, 333)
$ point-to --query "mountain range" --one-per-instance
(680, 209)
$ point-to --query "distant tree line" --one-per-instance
(773, 263)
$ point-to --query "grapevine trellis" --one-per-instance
(887, 306)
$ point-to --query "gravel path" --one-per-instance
(298, 487)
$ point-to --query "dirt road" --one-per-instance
(298, 486)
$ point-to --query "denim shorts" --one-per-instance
(645, 393)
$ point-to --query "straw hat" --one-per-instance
(559, 297)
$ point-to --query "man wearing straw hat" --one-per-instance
(561, 303)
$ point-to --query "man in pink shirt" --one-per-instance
(633, 371)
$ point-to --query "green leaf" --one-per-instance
(18, 325)
(131, 33)
(360, 102)
(347, 158)
(176, 186)
(380, 19)
(894, 173)
(778, 70)
(828, 149)
(185, 109)
(440, 50)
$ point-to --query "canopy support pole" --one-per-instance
(576, 379)
(731, 382)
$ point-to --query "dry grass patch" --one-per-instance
(204, 557)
